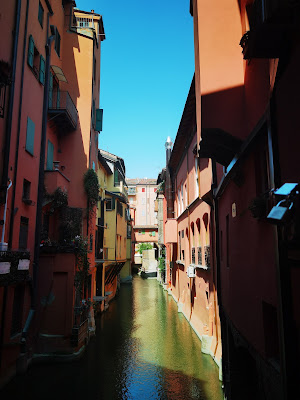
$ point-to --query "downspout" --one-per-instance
(6, 148)
(9, 118)
(214, 185)
(12, 218)
(225, 359)
(38, 223)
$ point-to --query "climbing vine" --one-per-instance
(91, 187)
(82, 262)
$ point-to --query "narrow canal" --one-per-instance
(143, 349)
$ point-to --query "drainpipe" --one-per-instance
(9, 118)
(225, 359)
(12, 217)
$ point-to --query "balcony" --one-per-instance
(171, 230)
(272, 25)
(62, 110)
(55, 179)
(131, 191)
(14, 267)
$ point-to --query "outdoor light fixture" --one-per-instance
(169, 143)
(283, 211)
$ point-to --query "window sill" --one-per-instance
(180, 262)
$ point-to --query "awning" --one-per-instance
(59, 74)
(218, 145)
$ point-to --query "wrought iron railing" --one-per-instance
(207, 255)
(62, 101)
(200, 255)
(193, 256)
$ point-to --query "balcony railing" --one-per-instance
(63, 110)
(200, 255)
(207, 255)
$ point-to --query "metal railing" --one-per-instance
(62, 101)
(193, 255)
(200, 255)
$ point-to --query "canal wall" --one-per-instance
(209, 343)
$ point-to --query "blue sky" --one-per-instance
(147, 65)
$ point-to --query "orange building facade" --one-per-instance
(50, 73)
(246, 53)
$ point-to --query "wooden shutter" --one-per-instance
(30, 54)
(42, 70)
(99, 119)
(50, 151)
(30, 136)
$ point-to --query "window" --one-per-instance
(155, 190)
(36, 61)
(29, 146)
(17, 312)
(128, 231)
(178, 202)
(26, 190)
(23, 235)
(57, 42)
(143, 200)
(99, 119)
(50, 151)
(41, 15)
(143, 190)
(110, 204)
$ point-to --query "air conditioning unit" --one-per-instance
(191, 273)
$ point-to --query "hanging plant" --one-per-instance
(91, 187)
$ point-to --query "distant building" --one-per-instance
(113, 246)
(142, 196)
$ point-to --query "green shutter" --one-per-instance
(30, 54)
(113, 203)
(42, 70)
(99, 119)
(50, 91)
(50, 151)
(30, 136)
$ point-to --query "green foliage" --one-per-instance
(91, 187)
(144, 246)
(59, 199)
(82, 262)
(162, 263)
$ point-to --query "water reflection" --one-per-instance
(143, 349)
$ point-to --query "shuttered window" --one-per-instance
(30, 136)
(99, 119)
(30, 55)
(57, 42)
(42, 70)
(41, 15)
(50, 151)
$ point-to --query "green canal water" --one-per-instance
(143, 349)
